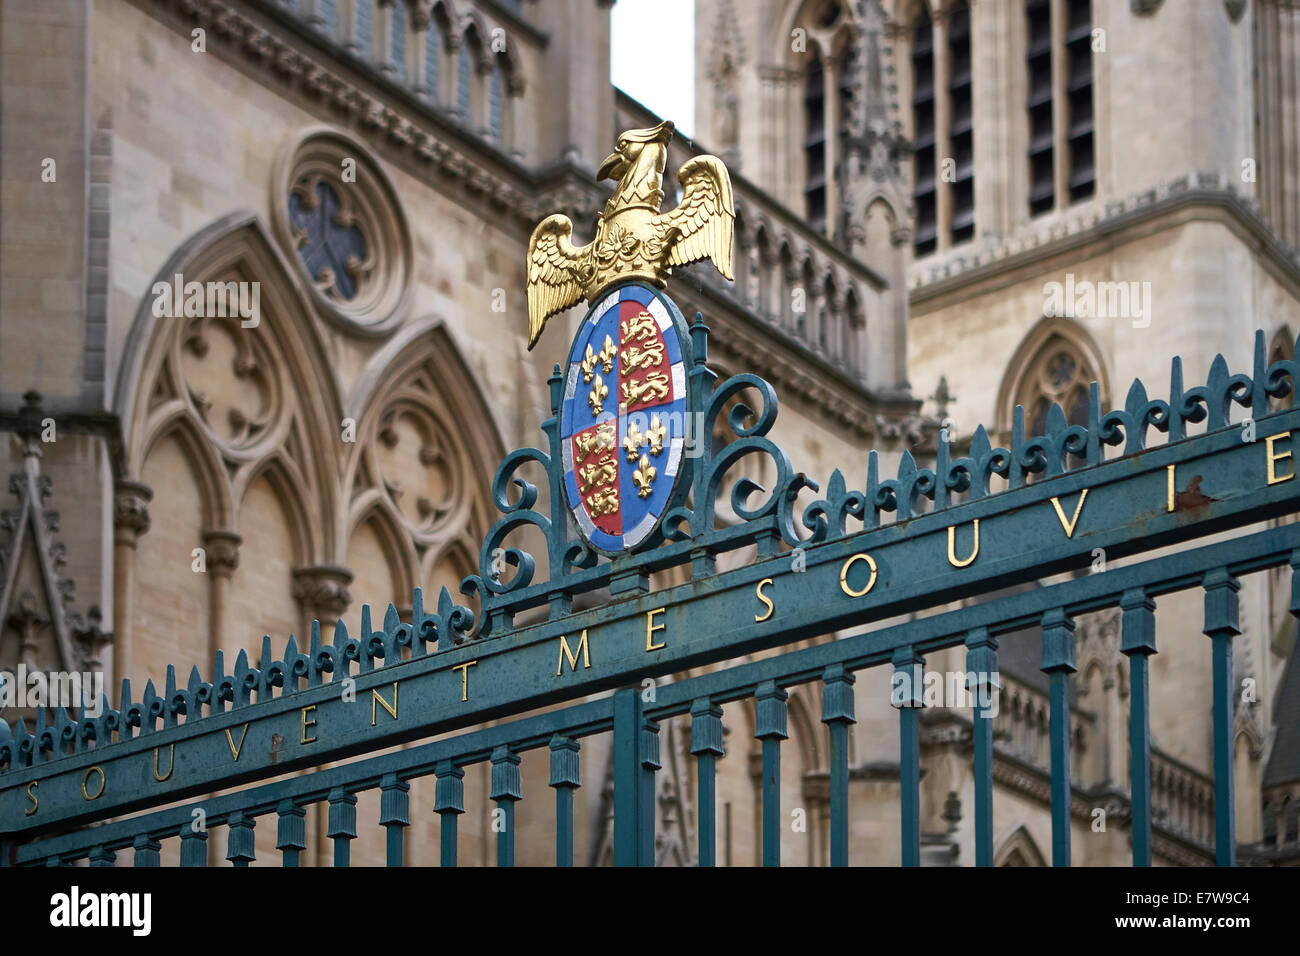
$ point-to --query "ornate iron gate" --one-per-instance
(951, 537)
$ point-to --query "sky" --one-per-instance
(652, 57)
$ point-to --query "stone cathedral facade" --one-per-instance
(350, 186)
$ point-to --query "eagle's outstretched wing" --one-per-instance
(703, 224)
(556, 277)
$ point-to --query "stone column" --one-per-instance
(421, 17)
(222, 556)
(1060, 107)
(130, 520)
(382, 36)
(942, 125)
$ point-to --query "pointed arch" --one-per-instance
(1029, 376)
(278, 358)
(1018, 849)
(399, 551)
(409, 374)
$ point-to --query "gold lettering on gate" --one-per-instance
(650, 628)
(572, 655)
(464, 678)
(307, 723)
(377, 698)
(171, 763)
(952, 547)
(760, 618)
(103, 781)
(32, 797)
(1273, 458)
(1070, 525)
(230, 742)
(1169, 487)
(844, 574)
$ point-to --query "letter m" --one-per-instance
(219, 294)
(1116, 297)
(572, 654)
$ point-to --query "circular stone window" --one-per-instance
(338, 216)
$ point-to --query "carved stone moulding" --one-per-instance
(340, 221)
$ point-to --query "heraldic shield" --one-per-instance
(624, 418)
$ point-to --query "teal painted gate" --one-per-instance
(915, 542)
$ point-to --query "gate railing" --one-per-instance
(215, 735)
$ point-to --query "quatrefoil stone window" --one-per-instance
(339, 218)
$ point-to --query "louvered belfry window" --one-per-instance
(923, 141)
(1078, 53)
(1042, 181)
(1062, 146)
(814, 146)
(961, 126)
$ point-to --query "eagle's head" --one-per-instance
(630, 146)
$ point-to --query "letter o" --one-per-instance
(844, 574)
(102, 783)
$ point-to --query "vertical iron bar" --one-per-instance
(394, 814)
(194, 844)
(565, 780)
(1139, 643)
(770, 703)
(1058, 664)
(1221, 625)
(146, 852)
(984, 683)
(505, 791)
(706, 745)
(448, 803)
(291, 832)
(907, 696)
(239, 839)
(342, 824)
(649, 759)
(837, 714)
(627, 776)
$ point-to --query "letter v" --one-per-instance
(1069, 526)
(234, 751)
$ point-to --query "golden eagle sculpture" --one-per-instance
(634, 240)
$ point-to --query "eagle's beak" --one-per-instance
(613, 167)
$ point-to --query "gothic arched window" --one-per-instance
(1055, 364)
(465, 79)
(825, 98)
(398, 44)
(364, 26)
(433, 59)
(496, 104)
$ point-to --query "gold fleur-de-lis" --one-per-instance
(604, 358)
(656, 435)
(644, 477)
(599, 392)
(588, 365)
(606, 355)
(633, 442)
